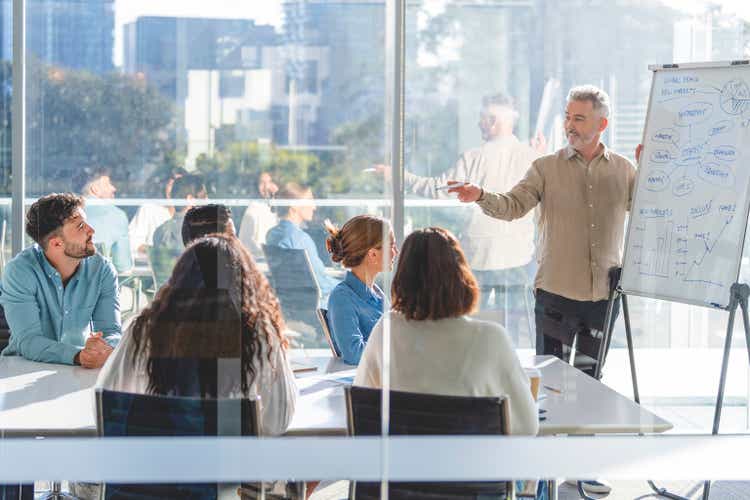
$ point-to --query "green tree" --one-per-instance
(77, 119)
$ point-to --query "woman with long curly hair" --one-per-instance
(213, 330)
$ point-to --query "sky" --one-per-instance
(126, 11)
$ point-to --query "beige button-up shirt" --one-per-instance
(582, 210)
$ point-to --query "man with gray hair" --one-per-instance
(584, 192)
(497, 253)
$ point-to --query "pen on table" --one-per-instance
(552, 389)
(449, 186)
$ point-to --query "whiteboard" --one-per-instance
(687, 221)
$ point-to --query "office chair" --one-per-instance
(426, 415)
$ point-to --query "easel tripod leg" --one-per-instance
(739, 297)
(631, 354)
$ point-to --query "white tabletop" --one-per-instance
(44, 399)
(584, 405)
(50, 400)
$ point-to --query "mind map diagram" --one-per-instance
(691, 188)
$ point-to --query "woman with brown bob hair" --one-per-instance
(435, 347)
(214, 330)
(364, 245)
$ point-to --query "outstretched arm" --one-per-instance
(506, 206)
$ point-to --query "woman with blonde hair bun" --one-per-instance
(356, 304)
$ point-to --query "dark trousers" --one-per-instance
(561, 321)
(17, 492)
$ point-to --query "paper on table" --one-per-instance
(317, 383)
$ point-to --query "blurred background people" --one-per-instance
(109, 221)
(150, 216)
(259, 217)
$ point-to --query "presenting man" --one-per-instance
(59, 291)
(583, 192)
(498, 254)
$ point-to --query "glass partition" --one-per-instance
(266, 120)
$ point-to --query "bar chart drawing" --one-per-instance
(656, 249)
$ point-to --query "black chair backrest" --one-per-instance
(425, 415)
(323, 318)
(292, 278)
(319, 235)
(125, 414)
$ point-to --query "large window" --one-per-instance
(284, 112)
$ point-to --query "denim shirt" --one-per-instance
(111, 226)
(49, 322)
(353, 309)
(286, 234)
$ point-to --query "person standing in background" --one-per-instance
(499, 163)
(150, 216)
(288, 233)
(109, 222)
(259, 217)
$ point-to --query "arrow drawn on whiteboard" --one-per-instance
(709, 248)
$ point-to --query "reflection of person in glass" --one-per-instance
(189, 188)
(288, 233)
(109, 222)
(583, 192)
(259, 217)
(497, 253)
(150, 216)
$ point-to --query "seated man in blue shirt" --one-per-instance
(288, 234)
(109, 222)
(60, 290)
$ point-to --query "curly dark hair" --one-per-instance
(48, 214)
(215, 306)
(433, 280)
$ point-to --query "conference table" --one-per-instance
(40, 399)
(50, 400)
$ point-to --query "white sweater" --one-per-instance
(454, 357)
(497, 166)
(274, 384)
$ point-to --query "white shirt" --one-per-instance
(497, 166)
(256, 222)
(453, 357)
(142, 226)
(274, 384)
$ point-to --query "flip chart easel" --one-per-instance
(690, 207)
